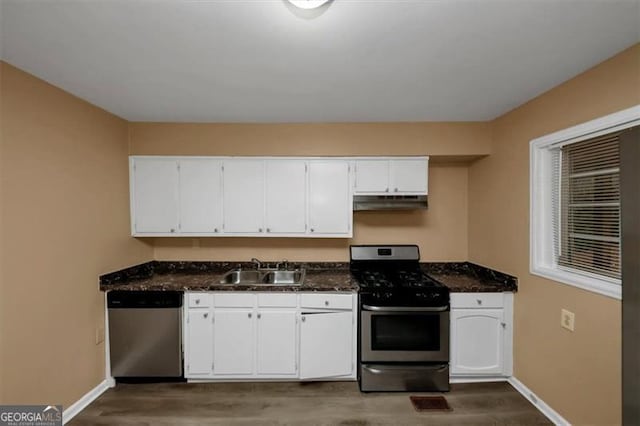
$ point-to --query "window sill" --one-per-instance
(595, 285)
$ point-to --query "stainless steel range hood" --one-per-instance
(389, 202)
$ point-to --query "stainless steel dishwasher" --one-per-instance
(145, 334)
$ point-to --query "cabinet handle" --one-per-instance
(503, 324)
(259, 229)
(268, 229)
(395, 189)
(386, 190)
(197, 301)
(172, 230)
(215, 229)
(312, 229)
(249, 315)
(326, 303)
(206, 315)
(259, 316)
(479, 301)
(304, 318)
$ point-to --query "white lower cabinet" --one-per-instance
(277, 347)
(199, 345)
(326, 344)
(481, 334)
(233, 341)
(270, 336)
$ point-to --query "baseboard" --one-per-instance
(542, 406)
(71, 411)
(455, 380)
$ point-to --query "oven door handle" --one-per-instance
(404, 308)
(374, 370)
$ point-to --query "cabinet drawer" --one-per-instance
(198, 300)
(325, 300)
(278, 300)
(234, 300)
(477, 300)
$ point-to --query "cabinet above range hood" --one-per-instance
(393, 183)
(389, 202)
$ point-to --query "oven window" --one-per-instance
(405, 332)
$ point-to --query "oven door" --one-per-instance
(410, 335)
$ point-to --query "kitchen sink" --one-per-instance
(263, 277)
(242, 277)
(284, 277)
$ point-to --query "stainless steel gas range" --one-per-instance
(404, 321)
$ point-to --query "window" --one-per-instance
(575, 204)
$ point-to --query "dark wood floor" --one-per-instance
(320, 403)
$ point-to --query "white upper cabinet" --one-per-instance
(408, 175)
(243, 196)
(262, 196)
(200, 195)
(286, 197)
(330, 201)
(397, 176)
(154, 195)
(372, 176)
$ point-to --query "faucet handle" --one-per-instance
(256, 262)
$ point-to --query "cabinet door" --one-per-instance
(243, 196)
(330, 205)
(200, 196)
(199, 345)
(155, 195)
(276, 343)
(286, 196)
(326, 342)
(233, 342)
(372, 176)
(477, 341)
(409, 175)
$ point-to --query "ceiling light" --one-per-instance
(308, 4)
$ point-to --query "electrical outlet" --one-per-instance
(568, 320)
(99, 335)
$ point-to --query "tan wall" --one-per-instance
(436, 139)
(64, 222)
(441, 231)
(579, 373)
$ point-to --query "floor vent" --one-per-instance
(430, 403)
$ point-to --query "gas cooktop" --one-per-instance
(391, 276)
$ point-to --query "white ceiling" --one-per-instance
(259, 61)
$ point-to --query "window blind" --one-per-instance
(586, 206)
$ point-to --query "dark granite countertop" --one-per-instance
(205, 276)
(467, 277)
(320, 276)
